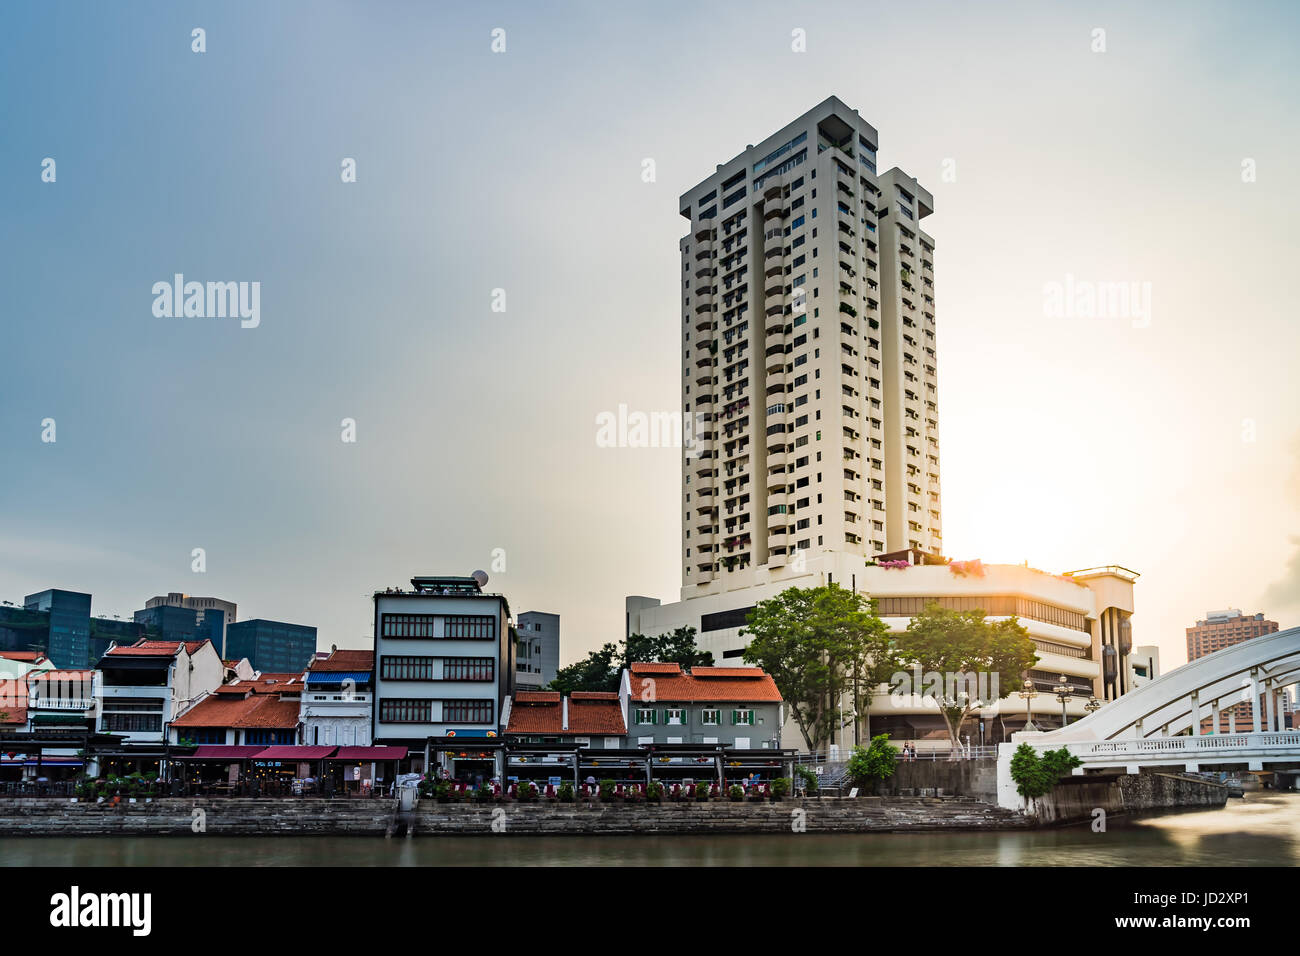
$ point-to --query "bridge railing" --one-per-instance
(1174, 745)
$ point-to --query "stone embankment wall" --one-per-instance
(234, 816)
(1075, 798)
(971, 778)
(294, 816)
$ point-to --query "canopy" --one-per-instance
(294, 753)
(221, 752)
(363, 754)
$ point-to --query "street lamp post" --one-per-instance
(1093, 705)
(1028, 694)
(1064, 691)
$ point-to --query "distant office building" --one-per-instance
(69, 629)
(58, 624)
(1218, 630)
(537, 649)
(164, 622)
(633, 605)
(202, 605)
(271, 645)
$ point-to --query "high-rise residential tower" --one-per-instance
(808, 347)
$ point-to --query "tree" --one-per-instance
(601, 669)
(821, 645)
(875, 763)
(1035, 775)
(594, 672)
(954, 651)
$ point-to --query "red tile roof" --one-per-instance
(148, 648)
(542, 712)
(537, 697)
(13, 698)
(33, 656)
(255, 711)
(594, 695)
(346, 659)
(754, 687)
(652, 668)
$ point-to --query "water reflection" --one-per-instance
(1261, 830)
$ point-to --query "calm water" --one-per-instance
(1261, 830)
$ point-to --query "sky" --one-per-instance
(1158, 152)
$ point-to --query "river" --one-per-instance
(1261, 830)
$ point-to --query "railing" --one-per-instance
(61, 703)
(1173, 745)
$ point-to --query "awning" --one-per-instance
(338, 677)
(221, 752)
(365, 754)
(293, 753)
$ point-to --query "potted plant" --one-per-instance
(565, 793)
(701, 792)
(486, 792)
(780, 787)
(526, 792)
(654, 791)
(607, 789)
(809, 779)
(736, 792)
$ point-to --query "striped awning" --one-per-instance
(337, 677)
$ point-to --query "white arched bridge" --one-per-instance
(1147, 727)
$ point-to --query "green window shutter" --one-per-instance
(735, 717)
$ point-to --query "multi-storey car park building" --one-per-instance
(808, 356)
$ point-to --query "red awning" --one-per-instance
(364, 754)
(293, 753)
(221, 752)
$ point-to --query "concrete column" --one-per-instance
(1270, 701)
(1232, 719)
(1214, 714)
(1194, 700)
(1254, 702)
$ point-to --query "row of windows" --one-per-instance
(677, 717)
(408, 710)
(475, 626)
(992, 604)
(426, 668)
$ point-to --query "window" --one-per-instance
(406, 668)
(468, 668)
(132, 716)
(742, 718)
(405, 710)
(646, 716)
(476, 626)
(474, 711)
(204, 735)
(674, 718)
(710, 718)
(268, 738)
(407, 625)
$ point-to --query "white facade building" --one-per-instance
(149, 684)
(808, 357)
(338, 699)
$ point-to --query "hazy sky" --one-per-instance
(1170, 445)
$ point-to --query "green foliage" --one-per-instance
(736, 792)
(810, 782)
(943, 641)
(525, 791)
(654, 791)
(1035, 775)
(821, 646)
(873, 763)
(780, 787)
(701, 791)
(565, 793)
(607, 789)
(600, 670)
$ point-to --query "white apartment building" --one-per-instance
(808, 349)
(337, 702)
(147, 685)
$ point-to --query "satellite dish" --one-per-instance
(481, 577)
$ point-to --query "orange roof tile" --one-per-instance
(752, 672)
(586, 716)
(537, 697)
(346, 659)
(654, 668)
(254, 711)
(685, 687)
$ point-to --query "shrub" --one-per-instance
(875, 763)
(736, 792)
(1035, 775)
(701, 792)
(565, 793)
(607, 789)
(654, 791)
(526, 791)
(780, 787)
(809, 778)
